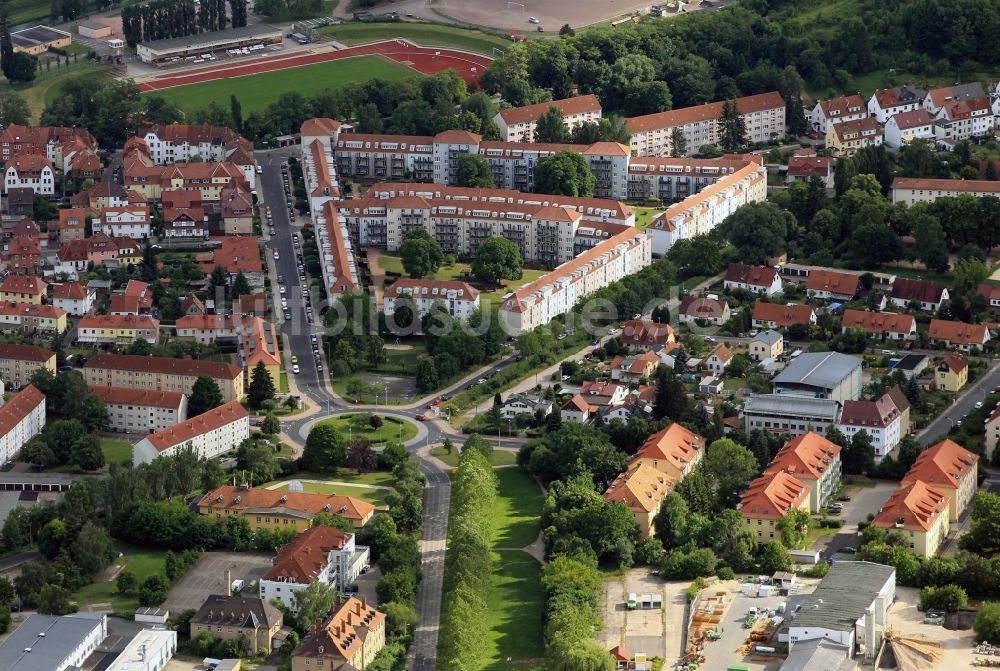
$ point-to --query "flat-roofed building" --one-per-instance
(209, 434)
(149, 650)
(56, 643)
(791, 415)
(829, 375)
(141, 410)
(161, 373)
(161, 51)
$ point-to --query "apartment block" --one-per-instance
(458, 298)
(210, 434)
(517, 124)
(117, 329)
(142, 411)
(19, 362)
(161, 374)
(22, 417)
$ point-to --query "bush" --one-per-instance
(694, 588)
(949, 598)
(725, 573)
(987, 622)
(831, 524)
(818, 571)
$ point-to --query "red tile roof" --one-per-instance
(343, 635)
(843, 284)
(23, 284)
(913, 507)
(810, 166)
(138, 322)
(319, 126)
(782, 315)
(863, 413)
(757, 276)
(164, 366)
(442, 286)
(955, 362)
(19, 406)
(568, 107)
(946, 463)
(706, 112)
(303, 558)
(834, 108)
(966, 185)
(645, 332)
(641, 488)
(772, 495)
(912, 119)
(958, 333)
(348, 507)
(701, 307)
(143, 397)
(879, 322)
(806, 457)
(924, 291)
(674, 444)
(25, 353)
(197, 426)
(69, 291)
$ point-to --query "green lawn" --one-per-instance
(389, 431)
(376, 497)
(143, 563)
(256, 92)
(116, 451)
(424, 34)
(488, 296)
(515, 603)
(26, 11)
(499, 458)
(643, 215)
(517, 512)
(45, 87)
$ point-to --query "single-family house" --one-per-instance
(577, 410)
(887, 103)
(719, 359)
(756, 279)
(774, 315)
(928, 295)
(836, 110)
(881, 325)
(951, 373)
(905, 127)
(73, 297)
(966, 337)
(847, 137)
(767, 344)
(704, 309)
(635, 367)
(832, 285)
(524, 404)
(645, 334)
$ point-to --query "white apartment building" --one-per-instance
(912, 190)
(557, 292)
(211, 433)
(836, 110)
(887, 103)
(212, 144)
(905, 127)
(133, 222)
(763, 114)
(140, 410)
(22, 418)
(698, 214)
(319, 554)
(517, 124)
(149, 650)
(30, 171)
(880, 419)
(963, 119)
(460, 299)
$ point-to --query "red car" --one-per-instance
(420, 418)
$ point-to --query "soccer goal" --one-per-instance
(498, 53)
(519, 6)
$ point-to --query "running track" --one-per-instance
(425, 60)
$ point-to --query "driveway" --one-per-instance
(864, 501)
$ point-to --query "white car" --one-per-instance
(282, 290)
(276, 255)
(979, 404)
(295, 369)
(533, 19)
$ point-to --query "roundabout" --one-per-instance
(413, 433)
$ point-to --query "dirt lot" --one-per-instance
(655, 632)
(721, 654)
(552, 14)
(904, 618)
(208, 577)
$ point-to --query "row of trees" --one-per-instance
(162, 19)
(468, 565)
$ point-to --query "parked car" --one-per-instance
(845, 497)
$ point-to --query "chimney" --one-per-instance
(229, 582)
(364, 603)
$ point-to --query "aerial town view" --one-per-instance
(495, 335)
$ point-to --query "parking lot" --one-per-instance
(657, 632)
(864, 501)
(208, 577)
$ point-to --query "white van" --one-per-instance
(533, 19)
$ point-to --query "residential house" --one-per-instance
(524, 404)
(23, 254)
(31, 319)
(142, 410)
(130, 221)
(912, 365)
(937, 99)
(887, 103)
(814, 461)
(642, 489)
(517, 124)
(117, 329)
(966, 337)
(72, 224)
(774, 315)
(162, 374)
(604, 395)
(22, 289)
(209, 434)
(645, 334)
(719, 359)
(237, 254)
(19, 362)
(991, 294)
(951, 373)
(350, 639)
(756, 279)
(673, 450)
(30, 171)
(912, 190)
(832, 285)
(73, 297)
(904, 128)
(22, 417)
(704, 309)
(279, 509)
(768, 499)
(845, 138)
(318, 554)
(928, 295)
(963, 120)
(881, 325)
(880, 419)
(102, 195)
(806, 167)
(837, 110)
(577, 410)
(920, 513)
(232, 618)
(632, 369)
(767, 344)
(20, 202)
(949, 469)
(821, 375)
(458, 298)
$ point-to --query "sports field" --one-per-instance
(255, 92)
(424, 34)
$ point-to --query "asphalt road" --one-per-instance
(974, 393)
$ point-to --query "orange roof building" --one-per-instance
(274, 509)
(22, 417)
(769, 498)
(949, 469)
(773, 315)
(160, 373)
(320, 553)
(350, 639)
(920, 513)
(22, 289)
(674, 450)
(517, 124)
(881, 325)
(958, 334)
(210, 434)
(833, 285)
(642, 489)
(813, 460)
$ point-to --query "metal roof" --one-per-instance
(259, 30)
(817, 653)
(51, 641)
(769, 336)
(843, 596)
(791, 405)
(819, 369)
